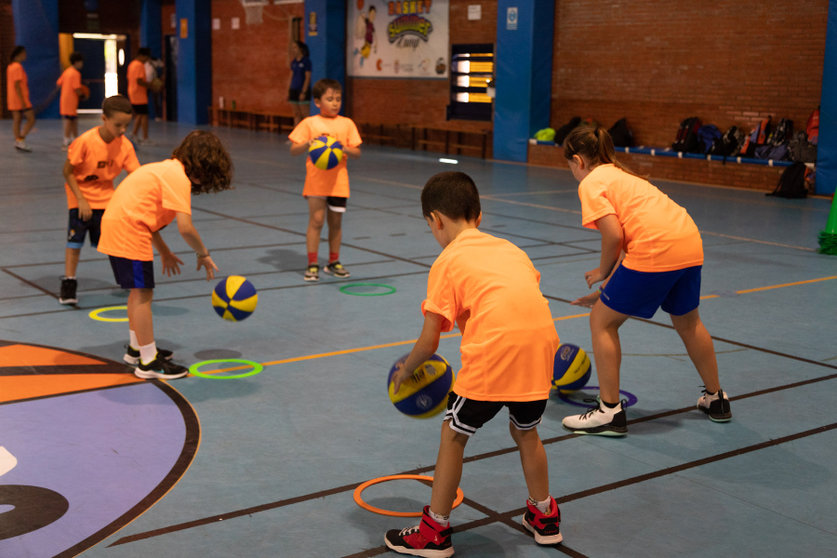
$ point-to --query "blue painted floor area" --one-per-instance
(281, 452)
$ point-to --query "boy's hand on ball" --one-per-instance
(400, 375)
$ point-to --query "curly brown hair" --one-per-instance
(206, 162)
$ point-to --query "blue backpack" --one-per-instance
(707, 136)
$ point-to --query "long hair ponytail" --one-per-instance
(594, 144)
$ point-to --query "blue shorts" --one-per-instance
(639, 293)
(77, 229)
(466, 416)
(132, 274)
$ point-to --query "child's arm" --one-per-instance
(425, 346)
(611, 231)
(84, 211)
(352, 151)
(300, 148)
(171, 263)
(193, 239)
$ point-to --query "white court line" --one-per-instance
(7, 461)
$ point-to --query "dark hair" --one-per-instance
(453, 194)
(325, 84)
(16, 51)
(303, 49)
(595, 144)
(116, 103)
(206, 162)
(76, 57)
(144, 51)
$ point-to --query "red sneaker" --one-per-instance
(544, 526)
(428, 538)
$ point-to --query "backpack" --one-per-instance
(791, 183)
(687, 139)
(729, 144)
(562, 132)
(707, 136)
(800, 149)
(812, 127)
(621, 134)
(756, 138)
(781, 133)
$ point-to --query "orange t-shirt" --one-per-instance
(15, 72)
(333, 182)
(69, 81)
(145, 202)
(96, 164)
(509, 342)
(137, 94)
(659, 235)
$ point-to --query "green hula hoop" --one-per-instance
(195, 372)
(345, 289)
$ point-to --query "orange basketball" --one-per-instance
(85, 92)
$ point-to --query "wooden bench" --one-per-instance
(251, 119)
(443, 140)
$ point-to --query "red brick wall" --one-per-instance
(251, 65)
(422, 102)
(657, 62)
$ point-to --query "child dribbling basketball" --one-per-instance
(489, 288)
(146, 201)
(94, 159)
(661, 268)
(327, 191)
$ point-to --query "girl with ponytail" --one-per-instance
(651, 258)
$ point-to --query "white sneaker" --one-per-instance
(599, 420)
(716, 406)
(20, 145)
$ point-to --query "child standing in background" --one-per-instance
(17, 98)
(71, 93)
(93, 161)
(661, 268)
(327, 191)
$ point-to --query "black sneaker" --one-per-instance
(599, 420)
(336, 269)
(312, 273)
(160, 369)
(68, 291)
(716, 406)
(132, 355)
(428, 539)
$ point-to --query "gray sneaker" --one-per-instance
(337, 270)
(312, 273)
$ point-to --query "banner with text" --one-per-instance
(406, 39)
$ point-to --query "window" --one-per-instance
(471, 68)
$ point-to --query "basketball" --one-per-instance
(425, 394)
(325, 152)
(572, 368)
(156, 85)
(234, 298)
(85, 92)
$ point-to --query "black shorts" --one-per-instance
(132, 274)
(466, 416)
(140, 109)
(78, 229)
(293, 96)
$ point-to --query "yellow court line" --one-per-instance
(786, 285)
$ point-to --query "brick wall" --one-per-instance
(251, 65)
(658, 62)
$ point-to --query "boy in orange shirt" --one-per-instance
(71, 92)
(94, 159)
(663, 256)
(146, 201)
(488, 287)
(138, 92)
(17, 98)
(327, 191)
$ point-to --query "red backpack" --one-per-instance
(812, 128)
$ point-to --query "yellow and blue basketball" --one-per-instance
(234, 298)
(325, 152)
(425, 394)
(572, 369)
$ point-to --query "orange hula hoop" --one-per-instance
(360, 502)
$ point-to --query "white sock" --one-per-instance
(544, 507)
(440, 519)
(132, 335)
(148, 352)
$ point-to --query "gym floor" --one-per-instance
(98, 463)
